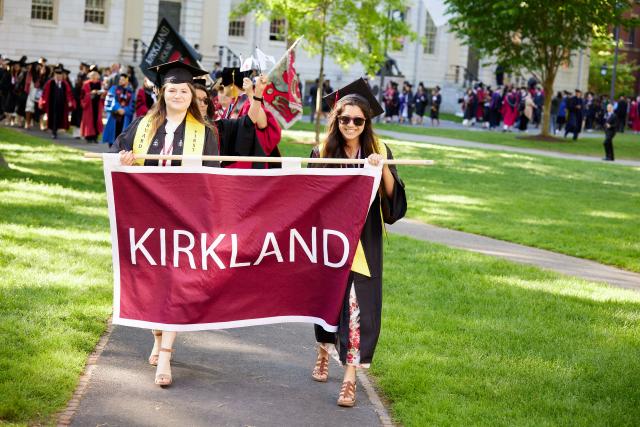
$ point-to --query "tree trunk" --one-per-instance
(3, 163)
(320, 89)
(547, 86)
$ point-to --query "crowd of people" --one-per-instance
(100, 102)
(410, 107)
(519, 108)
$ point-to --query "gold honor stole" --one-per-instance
(193, 138)
(360, 264)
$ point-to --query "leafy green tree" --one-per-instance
(348, 31)
(602, 52)
(534, 35)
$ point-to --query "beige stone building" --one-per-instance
(106, 31)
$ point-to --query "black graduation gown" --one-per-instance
(368, 289)
(230, 138)
(57, 104)
(574, 123)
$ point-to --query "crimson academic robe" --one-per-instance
(368, 289)
(227, 138)
(268, 138)
(510, 109)
(92, 106)
(57, 102)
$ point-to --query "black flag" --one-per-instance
(167, 45)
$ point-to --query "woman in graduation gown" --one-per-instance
(172, 121)
(350, 135)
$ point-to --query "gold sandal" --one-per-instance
(153, 358)
(321, 371)
(164, 380)
(347, 396)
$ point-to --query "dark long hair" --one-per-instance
(158, 112)
(334, 143)
(210, 111)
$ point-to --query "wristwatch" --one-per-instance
(258, 98)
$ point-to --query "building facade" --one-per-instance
(107, 31)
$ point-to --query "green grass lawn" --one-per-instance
(55, 264)
(466, 339)
(626, 145)
(583, 209)
(471, 340)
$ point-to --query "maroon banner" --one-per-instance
(228, 248)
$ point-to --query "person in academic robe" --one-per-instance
(57, 101)
(92, 101)
(436, 100)
(621, 111)
(33, 87)
(76, 115)
(174, 119)
(119, 107)
(634, 115)
(350, 135)
(575, 109)
(145, 98)
(268, 133)
(610, 129)
(510, 103)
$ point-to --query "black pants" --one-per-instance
(608, 145)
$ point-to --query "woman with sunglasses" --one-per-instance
(350, 135)
(203, 98)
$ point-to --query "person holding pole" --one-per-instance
(350, 136)
(175, 126)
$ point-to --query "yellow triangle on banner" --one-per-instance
(360, 262)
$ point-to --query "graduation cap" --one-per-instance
(233, 76)
(58, 70)
(176, 72)
(201, 82)
(84, 64)
(360, 89)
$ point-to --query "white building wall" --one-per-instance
(67, 39)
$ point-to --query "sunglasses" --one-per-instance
(345, 120)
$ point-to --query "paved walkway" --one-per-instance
(256, 376)
(496, 147)
(564, 264)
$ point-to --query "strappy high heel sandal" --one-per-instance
(347, 397)
(153, 358)
(164, 380)
(321, 370)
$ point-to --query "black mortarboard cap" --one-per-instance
(84, 64)
(58, 70)
(233, 75)
(359, 88)
(176, 72)
(201, 82)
